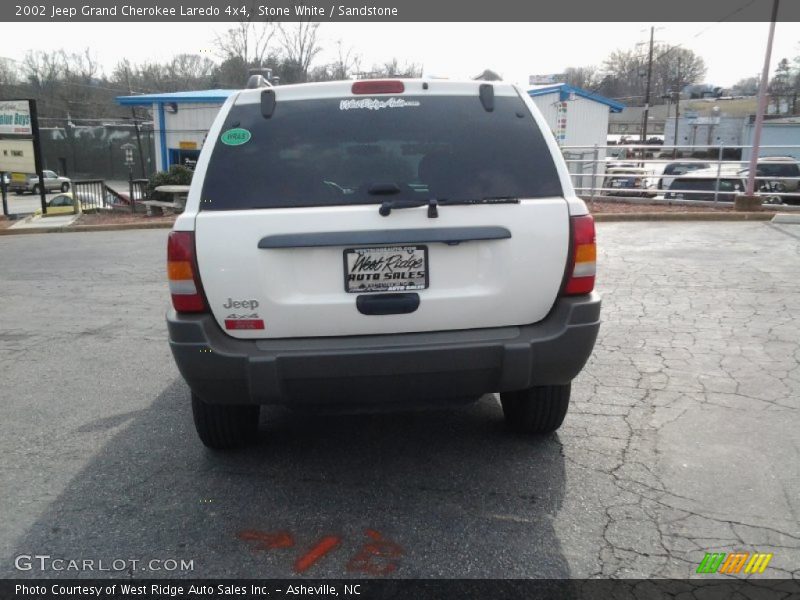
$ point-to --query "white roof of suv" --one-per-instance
(338, 89)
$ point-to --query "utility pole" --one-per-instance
(647, 88)
(135, 125)
(762, 105)
(677, 110)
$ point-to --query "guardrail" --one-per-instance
(91, 195)
(716, 173)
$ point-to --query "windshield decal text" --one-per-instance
(376, 104)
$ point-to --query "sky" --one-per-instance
(732, 51)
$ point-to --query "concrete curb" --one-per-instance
(786, 219)
(86, 228)
(676, 202)
(684, 216)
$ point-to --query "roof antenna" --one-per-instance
(486, 92)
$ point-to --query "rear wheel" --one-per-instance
(36, 189)
(223, 426)
(539, 409)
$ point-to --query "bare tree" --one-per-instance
(190, 71)
(781, 86)
(8, 72)
(347, 62)
(745, 87)
(247, 40)
(674, 68)
(393, 68)
(300, 46)
(625, 72)
(80, 66)
(346, 65)
(42, 69)
(582, 77)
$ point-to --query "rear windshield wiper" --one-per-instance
(390, 189)
(387, 206)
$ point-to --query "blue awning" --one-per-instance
(177, 97)
(564, 90)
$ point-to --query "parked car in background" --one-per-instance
(65, 203)
(702, 185)
(30, 182)
(785, 170)
(780, 167)
(628, 181)
(672, 170)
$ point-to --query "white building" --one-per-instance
(181, 121)
(576, 117)
(779, 137)
(703, 131)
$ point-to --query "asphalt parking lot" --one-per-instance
(23, 204)
(682, 437)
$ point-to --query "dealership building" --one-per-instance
(181, 121)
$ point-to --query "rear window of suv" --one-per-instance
(778, 170)
(345, 151)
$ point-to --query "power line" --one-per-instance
(674, 47)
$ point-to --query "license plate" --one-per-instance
(385, 269)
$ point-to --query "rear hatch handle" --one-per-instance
(387, 304)
(444, 235)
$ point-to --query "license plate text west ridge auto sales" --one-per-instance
(394, 268)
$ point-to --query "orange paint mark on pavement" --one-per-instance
(267, 541)
(375, 556)
(325, 545)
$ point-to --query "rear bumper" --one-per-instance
(384, 368)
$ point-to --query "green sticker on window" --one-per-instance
(235, 137)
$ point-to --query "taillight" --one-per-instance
(583, 257)
(378, 86)
(184, 279)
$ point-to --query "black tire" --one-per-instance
(223, 426)
(538, 409)
(64, 187)
(35, 190)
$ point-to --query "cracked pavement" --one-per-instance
(682, 437)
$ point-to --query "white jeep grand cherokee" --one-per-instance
(385, 243)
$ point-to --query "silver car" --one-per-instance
(52, 183)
